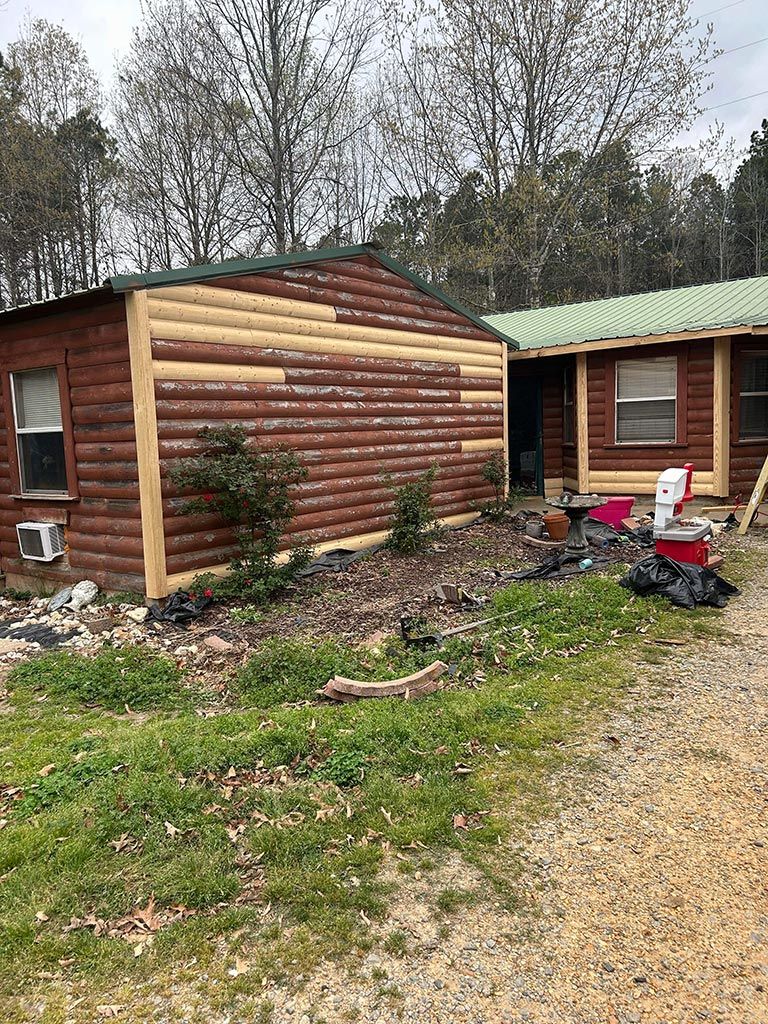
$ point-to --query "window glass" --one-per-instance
(646, 400)
(753, 401)
(39, 432)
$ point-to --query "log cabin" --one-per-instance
(609, 393)
(368, 372)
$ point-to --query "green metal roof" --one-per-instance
(233, 268)
(697, 308)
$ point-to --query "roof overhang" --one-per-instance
(601, 344)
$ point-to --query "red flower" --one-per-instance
(207, 592)
(192, 596)
(208, 497)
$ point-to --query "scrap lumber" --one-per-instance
(418, 684)
(758, 495)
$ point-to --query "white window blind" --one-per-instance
(646, 399)
(38, 403)
(753, 401)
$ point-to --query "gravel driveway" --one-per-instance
(645, 899)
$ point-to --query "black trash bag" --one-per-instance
(180, 608)
(336, 560)
(684, 584)
(557, 567)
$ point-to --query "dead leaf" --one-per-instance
(240, 968)
(462, 769)
(460, 821)
(41, 916)
(46, 771)
(109, 1009)
(171, 830)
(387, 816)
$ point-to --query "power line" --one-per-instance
(717, 10)
(743, 46)
(741, 99)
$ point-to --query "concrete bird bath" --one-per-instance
(577, 507)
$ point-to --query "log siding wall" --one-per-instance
(102, 525)
(634, 468)
(348, 364)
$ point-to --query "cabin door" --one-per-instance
(526, 449)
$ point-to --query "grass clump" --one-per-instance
(115, 677)
(284, 671)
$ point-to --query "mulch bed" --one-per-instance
(374, 592)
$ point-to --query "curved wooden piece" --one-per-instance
(391, 687)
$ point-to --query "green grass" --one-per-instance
(113, 679)
(279, 806)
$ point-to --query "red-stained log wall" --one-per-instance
(643, 461)
(365, 376)
(89, 345)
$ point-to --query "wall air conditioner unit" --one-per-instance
(41, 542)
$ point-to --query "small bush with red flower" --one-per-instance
(250, 489)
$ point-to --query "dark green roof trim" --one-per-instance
(234, 268)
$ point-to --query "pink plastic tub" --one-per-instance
(614, 511)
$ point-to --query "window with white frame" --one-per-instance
(753, 398)
(39, 431)
(646, 400)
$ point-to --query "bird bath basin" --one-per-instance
(577, 507)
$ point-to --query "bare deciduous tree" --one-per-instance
(293, 64)
(175, 121)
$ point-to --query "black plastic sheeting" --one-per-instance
(336, 560)
(37, 633)
(180, 608)
(685, 585)
(557, 567)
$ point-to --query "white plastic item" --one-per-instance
(670, 490)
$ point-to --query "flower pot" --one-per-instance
(557, 525)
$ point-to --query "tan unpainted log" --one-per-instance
(415, 685)
(253, 302)
(222, 316)
(180, 330)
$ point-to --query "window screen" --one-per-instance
(39, 432)
(753, 401)
(646, 399)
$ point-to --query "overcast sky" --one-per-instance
(104, 29)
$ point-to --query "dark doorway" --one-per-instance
(526, 454)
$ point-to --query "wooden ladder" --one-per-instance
(758, 495)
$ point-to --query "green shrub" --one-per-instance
(251, 490)
(414, 526)
(133, 676)
(494, 471)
